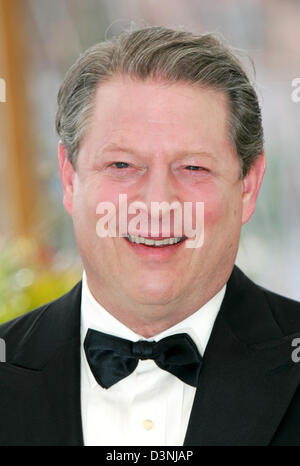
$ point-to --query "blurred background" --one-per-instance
(40, 39)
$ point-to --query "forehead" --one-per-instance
(158, 115)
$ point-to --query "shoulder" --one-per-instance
(19, 326)
(57, 320)
(285, 310)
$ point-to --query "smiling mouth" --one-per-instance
(155, 243)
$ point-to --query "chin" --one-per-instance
(154, 293)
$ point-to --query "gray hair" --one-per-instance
(171, 55)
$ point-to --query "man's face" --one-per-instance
(160, 132)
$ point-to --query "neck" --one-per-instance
(149, 320)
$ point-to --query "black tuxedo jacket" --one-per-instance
(248, 392)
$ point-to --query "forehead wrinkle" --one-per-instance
(114, 147)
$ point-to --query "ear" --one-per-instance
(67, 176)
(251, 186)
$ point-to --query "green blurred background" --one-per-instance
(40, 39)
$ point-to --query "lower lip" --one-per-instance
(155, 251)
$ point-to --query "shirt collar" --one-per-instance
(198, 325)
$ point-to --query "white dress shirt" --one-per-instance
(150, 406)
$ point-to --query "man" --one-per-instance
(159, 116)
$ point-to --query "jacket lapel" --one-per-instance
(248, 378)
(61, 380)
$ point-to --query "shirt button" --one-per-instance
(147, 424)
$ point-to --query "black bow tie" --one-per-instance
(112, 358)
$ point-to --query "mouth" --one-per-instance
(160, 247)
(160, 242)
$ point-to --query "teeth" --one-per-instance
(152, 242)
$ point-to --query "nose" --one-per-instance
(159, 186)
(161, 199)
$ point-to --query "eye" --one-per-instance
(120, 163)
(195, 168)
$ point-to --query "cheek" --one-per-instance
(90, 195)
(84, 213)
(105, 215)
(105, 192)
(221, 212)
(214, 206)
(214, 213)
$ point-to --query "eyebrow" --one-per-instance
(113, 147)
